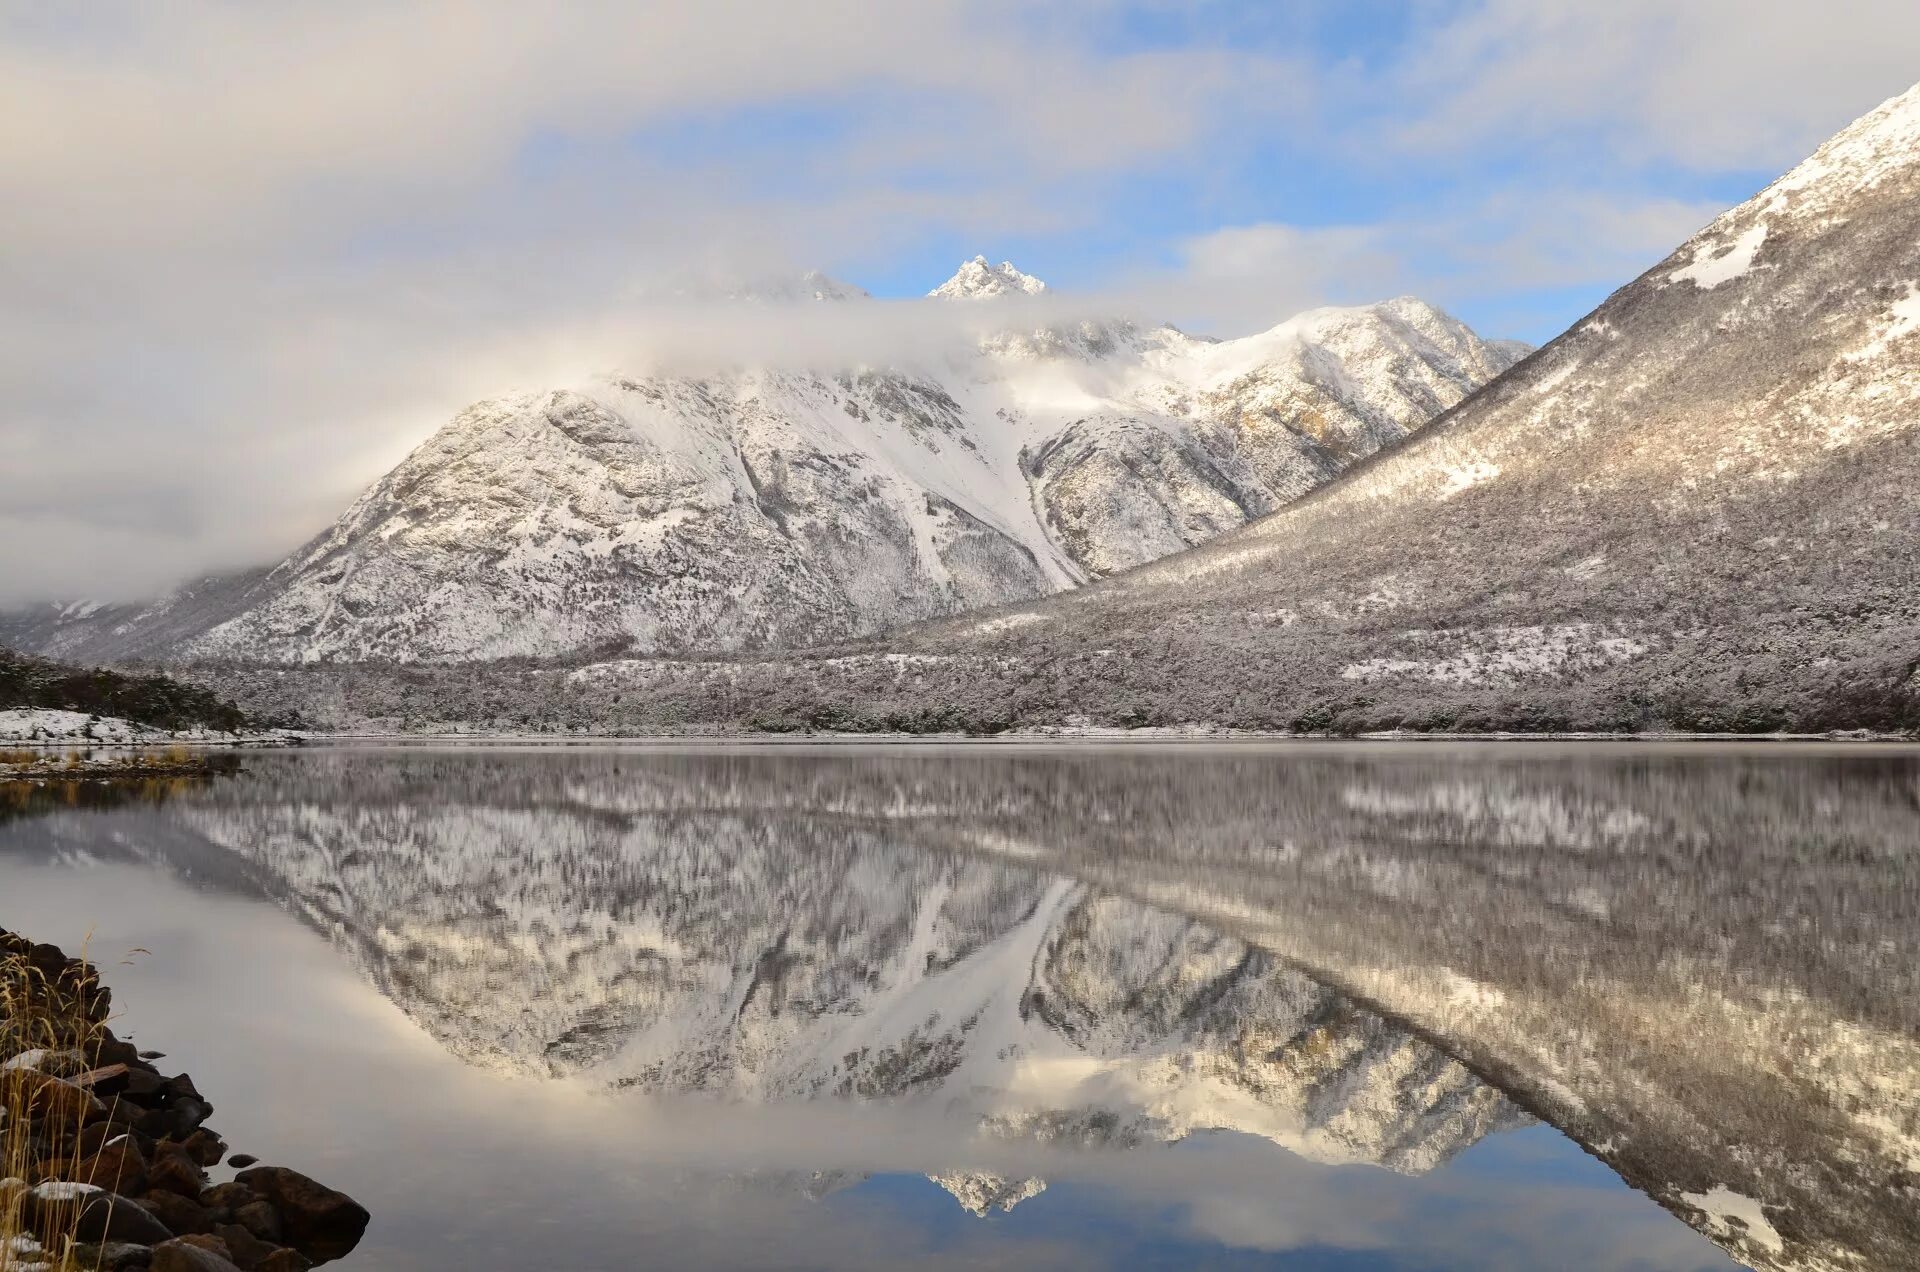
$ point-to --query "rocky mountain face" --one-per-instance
(778, 508)
(1693, 510)
(587, 923)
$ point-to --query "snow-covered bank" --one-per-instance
(43, 726)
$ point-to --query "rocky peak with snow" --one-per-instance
(978, 280)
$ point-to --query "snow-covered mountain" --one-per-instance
(763, 507)
(1693, 510)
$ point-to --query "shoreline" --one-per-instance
(1090, 737)
(115, 1156)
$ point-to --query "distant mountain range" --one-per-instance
(765, 508)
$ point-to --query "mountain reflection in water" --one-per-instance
(1697, 963)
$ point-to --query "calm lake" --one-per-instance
(1341, 1006)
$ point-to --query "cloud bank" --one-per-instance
(254, 253)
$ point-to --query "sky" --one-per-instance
(251, 254)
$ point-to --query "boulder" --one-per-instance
(204, 1147)
(118, 1167)
(209, 1242)
(262, 1220)
(50, 1210)
(181, 1214)
(174, 1170)
(316, 1220)
(183, 1256)
(143, 1085)
(186, 1114)
(243, 1247)
(113, 1256)
(223, 1200)
(110, 1050)
(285, 1261)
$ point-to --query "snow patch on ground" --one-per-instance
(38, 724)
(1513, 652)
(1902, 321)
(1009, 622)
(1715, 263)
(1464, 476)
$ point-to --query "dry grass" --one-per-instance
(41, 1133)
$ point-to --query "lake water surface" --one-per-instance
(1295, 1006)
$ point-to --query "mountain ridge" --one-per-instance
(1690, 511)
(775, 509)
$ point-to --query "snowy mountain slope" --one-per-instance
(1705, 484)
(1693, 510)
(765, 508)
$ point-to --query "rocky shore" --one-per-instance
(104, 1149)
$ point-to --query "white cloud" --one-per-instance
(1455, 254)
(253, 253)
(1713, 84)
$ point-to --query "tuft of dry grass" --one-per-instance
(62, 1015)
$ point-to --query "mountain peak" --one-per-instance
(976, 279)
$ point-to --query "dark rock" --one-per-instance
(223, 1200)
(240, 1161)
(153, 1055)
(174, 1170)
(110, 1050)
(101, 1216)
(188, 1113)
(243, 1247)
(182, 1214)
(317, 1221)
(118, 1167)
(95, 1136)
(205, 1147)
(183, 1256)
(262, 1220)
(143, 1085)
(125, 1114)
(209, 1242)
(182, 1087)
(285, 1261)
(114, 1256)
(48, 960)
